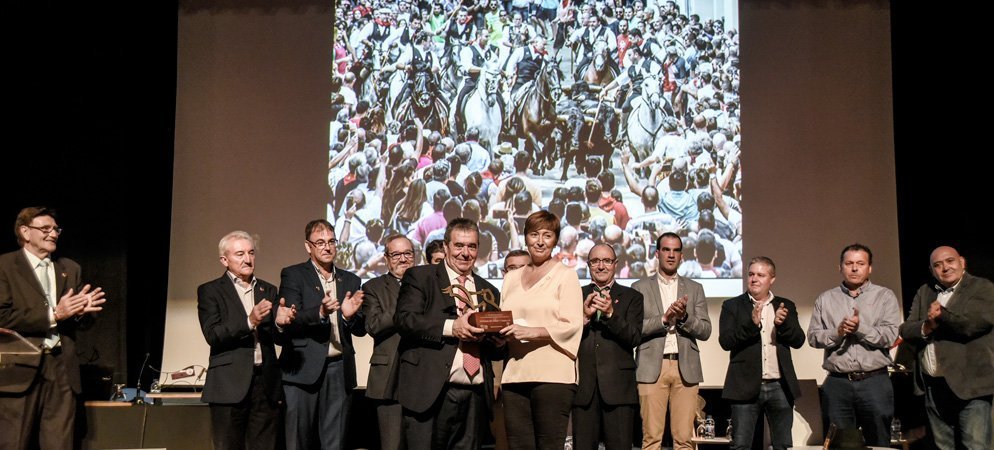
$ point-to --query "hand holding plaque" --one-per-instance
(487, 314)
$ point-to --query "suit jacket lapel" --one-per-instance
(656, 297)
(957, 294)
(231, 296)
(28, 273)
(60, 279)
(448, 303)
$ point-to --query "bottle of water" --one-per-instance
(155, 388)
(895, 430)
(709, 427)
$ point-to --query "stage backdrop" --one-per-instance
(252, 135)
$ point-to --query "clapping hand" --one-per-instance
(260, 311)
(351, 304)
(781, 315)
(284, 314)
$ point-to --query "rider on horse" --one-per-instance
(587, 38)
(634, 77)
(525, 62)
(473, 58)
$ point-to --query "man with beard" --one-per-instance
(606, 397)
(669, 362)
(379, 307)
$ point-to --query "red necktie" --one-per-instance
(470, 362)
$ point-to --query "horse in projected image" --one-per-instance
(645, 121)
(451, 71)
(421, 98)
(534, 116)
(481, 109)
(599, 72)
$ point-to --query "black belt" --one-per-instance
(770, 380)
(672, 356)
(859, 376)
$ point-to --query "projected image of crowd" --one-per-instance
(621, 118)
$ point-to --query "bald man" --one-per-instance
(606, 399)
(949, 327)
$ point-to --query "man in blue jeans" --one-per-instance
(856, 323)
(759, 329)
(949, 327)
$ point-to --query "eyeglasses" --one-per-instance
(47, 229)
(324, 244)
(605, 261)
(512, 267)
(397, 256)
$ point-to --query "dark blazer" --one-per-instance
(605, 353)
(24, 309)
(225, 325)
(964, 344)
(739, 335)
(379, 305)
(425, 355)
(308, 336)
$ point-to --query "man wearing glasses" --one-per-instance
(378, 308)
(605, 401)
(515, 259)
(669, 363)
(319, 366)
(41, 298)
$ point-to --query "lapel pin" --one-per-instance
(64, 275)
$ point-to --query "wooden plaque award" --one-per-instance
(487, 314)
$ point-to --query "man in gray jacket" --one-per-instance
(949, 327)
(669, 362)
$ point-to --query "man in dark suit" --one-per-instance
(319, 361)
(606, 397)
(949, 327)
(669, 362)
(243, 381)
(378, 307)
(41, 299)
(758, 329)
(447, 379)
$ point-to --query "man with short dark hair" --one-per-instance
(515, 259)
(949, 327)
(759, 329)
(448, 388)
(669, 362)
(379, 307)
(41, 298)
(237, 316)
(319, 364)
(856, 324)
(606, 396)
(435, 252)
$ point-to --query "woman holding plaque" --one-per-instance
(539, 377)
